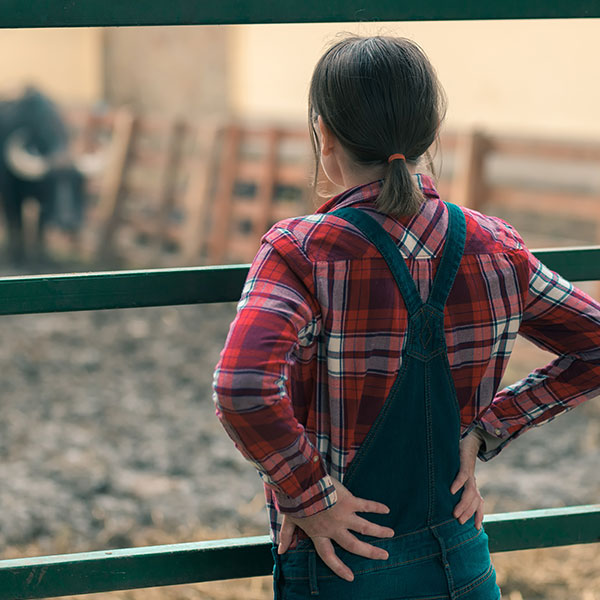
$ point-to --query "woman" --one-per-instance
(372, 335)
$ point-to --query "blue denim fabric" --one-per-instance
(416, 569)
(408, 461)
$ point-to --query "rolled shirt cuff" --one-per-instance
(491, 443)
(320, 496)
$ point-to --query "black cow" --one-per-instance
(35, 163)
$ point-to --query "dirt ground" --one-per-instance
(108, 439)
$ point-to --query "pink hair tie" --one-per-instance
(396, 157)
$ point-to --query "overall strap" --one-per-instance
(380, 238)
(446, 272)
(453, 251)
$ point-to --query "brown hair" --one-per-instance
(379, 96)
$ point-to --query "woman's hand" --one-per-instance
(471, 501)
(336, 524)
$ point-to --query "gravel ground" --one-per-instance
(108, 426)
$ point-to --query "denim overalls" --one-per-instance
(408, 461)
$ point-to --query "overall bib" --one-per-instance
(408, 461)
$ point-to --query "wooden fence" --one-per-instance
(175, 193)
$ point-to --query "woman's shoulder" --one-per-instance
(487, 234)
(320, 237)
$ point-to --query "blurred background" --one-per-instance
(178, 146)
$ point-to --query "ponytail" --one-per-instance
(399, 196)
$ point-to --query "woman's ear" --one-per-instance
(327, 138)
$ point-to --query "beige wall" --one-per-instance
(170, 70)
(538, 77)
(65, 63)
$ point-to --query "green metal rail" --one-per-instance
(193, 285)
(130, 568)
(50, 576)
(84, 13)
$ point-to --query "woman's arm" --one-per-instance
(562, 319)
(276, 313)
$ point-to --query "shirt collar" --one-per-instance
(367, 193)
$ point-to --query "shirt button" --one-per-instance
(497, 431)
(315, 458)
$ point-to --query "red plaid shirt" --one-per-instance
(317, 341)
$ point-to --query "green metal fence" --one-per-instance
(82, 13)
(191, 285)
(131, 568)
(49, 576)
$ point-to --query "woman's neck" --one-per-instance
(353, 175)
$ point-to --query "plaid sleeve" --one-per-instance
(561, 319)
(276, 312)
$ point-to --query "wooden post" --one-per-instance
(266, 187)
(196, 197)
(468, 186)
(223, 199)
(107, 213)
(166, 197)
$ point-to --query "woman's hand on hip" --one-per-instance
(471, 501)
(335, 525)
